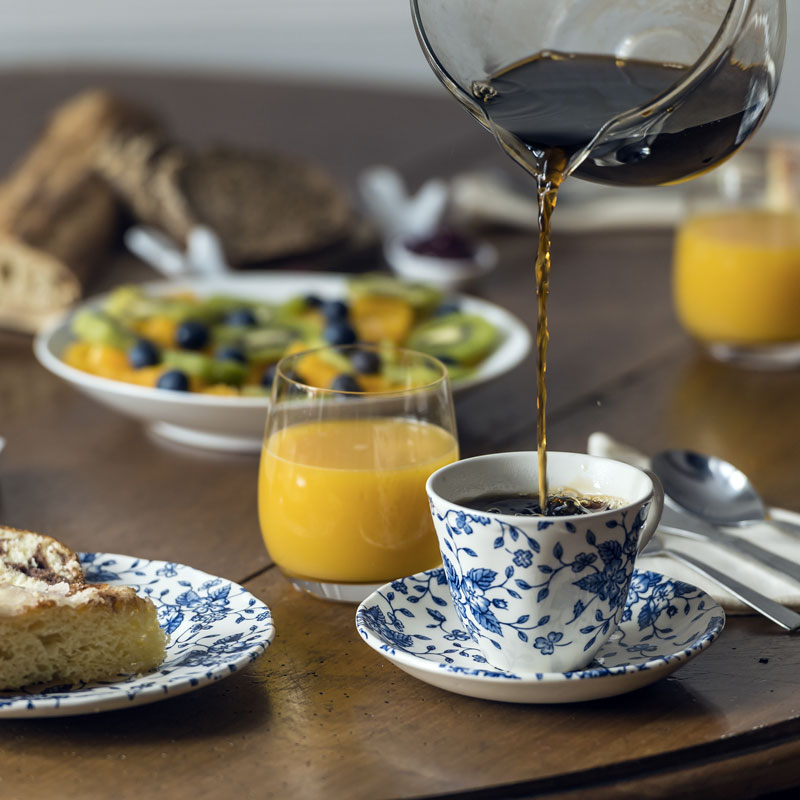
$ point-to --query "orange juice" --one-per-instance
(737, 276)
(344, 500)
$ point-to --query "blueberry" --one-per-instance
(334, 310)
(447, 307)
(192, 335)
(339, 332)
(269, 375)
(367, 362)
(312, 301)
(291, 375)
(174, 380)
(143, 354)
(240, 318)
(346, 383)
(448, 361)
(231, 353)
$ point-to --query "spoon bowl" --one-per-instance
(712, 489)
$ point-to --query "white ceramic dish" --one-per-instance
(236, 423)
(215, 627)
(412, 623)
(450, 274)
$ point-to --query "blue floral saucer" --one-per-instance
(214, 627)
(412, 622)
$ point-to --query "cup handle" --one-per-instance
(654, 515)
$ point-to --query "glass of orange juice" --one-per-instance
(341, 489)
(736, 277)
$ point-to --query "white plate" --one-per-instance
(215, 627)
(237, 423)
(412, 623)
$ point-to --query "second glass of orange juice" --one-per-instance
(341, 491)
(737, 259)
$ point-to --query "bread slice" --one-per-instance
(56, 627)
(58, 219)
(262, 206)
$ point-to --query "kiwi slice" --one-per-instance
(130, 303)
(98, 327)
(265, 313)
(228, 334)
(126, 302)
(291, 310)
(457, 372)
(422, 298)
(209, 369)
(457, 338)
(336, 359)
(217, 305)
(255, 391)
(268, 344)
(400, 377)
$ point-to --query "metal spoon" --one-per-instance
(779, 614)
(713, 490)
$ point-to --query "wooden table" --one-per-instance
(321, 714)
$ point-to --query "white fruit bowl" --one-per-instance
(236, 424)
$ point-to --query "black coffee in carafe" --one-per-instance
(560, 101)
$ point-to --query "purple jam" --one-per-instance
(443, 243)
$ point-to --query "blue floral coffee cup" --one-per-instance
(541, 594)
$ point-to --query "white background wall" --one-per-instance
(370, 41)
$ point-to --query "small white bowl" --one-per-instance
(449, 274)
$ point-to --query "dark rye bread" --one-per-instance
(262, 206)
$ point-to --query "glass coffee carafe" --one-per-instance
(623, 92)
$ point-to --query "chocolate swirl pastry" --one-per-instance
(56, 627)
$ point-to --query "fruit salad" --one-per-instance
(229, 345)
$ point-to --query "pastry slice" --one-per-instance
(56, 627)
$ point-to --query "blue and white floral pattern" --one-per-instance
(214, 628)
(499, 573)
(413, 622)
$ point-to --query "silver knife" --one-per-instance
(681, 523)
(785, 617)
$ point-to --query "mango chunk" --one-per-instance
(381, 318)
(158, 329)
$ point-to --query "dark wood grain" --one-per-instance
(321, 714)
